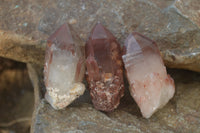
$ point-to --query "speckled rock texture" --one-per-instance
(173, 24)
(181, 114)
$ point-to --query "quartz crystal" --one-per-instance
(104, 69)
(64, 68)
(149, 83)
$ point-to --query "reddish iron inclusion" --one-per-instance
(64, 67)
(104, 69)
(150, 85)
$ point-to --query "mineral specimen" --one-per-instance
(150, 85)
(104, 69)
(64, 68)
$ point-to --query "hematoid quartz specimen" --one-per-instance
(64, 68)
(104, 69)
(150, 85)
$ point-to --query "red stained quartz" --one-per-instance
(104, 69)
(64, 68)
(150, 85)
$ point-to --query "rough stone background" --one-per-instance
(173, 24)
(16, 97)
(180, 115)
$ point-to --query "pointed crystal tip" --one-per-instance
(150, 86)
(104, 67)
(64, 68)
(136, 42)
(61, 36)
(100, 32)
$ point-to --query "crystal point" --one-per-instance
(104, 68)
(64, 68)
(150, 85)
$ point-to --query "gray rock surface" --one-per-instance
(189, 9)
(181, 114)
(173, 24)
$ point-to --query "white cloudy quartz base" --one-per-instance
(64, 69)
(150, 86)
(62, 89)
(60, 101)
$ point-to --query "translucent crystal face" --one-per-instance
(100, 45)
(143, 54)
(150, 85)
(64, 68)
(104, 67)
(62, 38)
